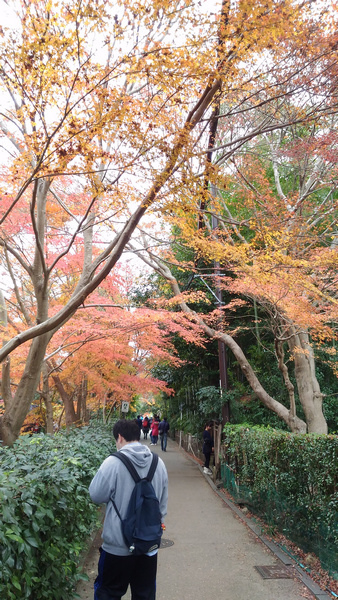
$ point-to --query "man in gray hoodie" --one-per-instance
(118, 568)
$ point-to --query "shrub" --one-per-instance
(289, 479)
(46, 510)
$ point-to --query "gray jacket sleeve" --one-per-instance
(160, 483)
(103, 484)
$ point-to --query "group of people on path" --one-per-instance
(155, 428)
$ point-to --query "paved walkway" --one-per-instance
(214, 553)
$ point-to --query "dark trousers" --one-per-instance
(164, 437)
(207, 459)
(115, 573)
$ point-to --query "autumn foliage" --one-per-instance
(106, 116)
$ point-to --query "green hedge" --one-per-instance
(46, 512)
(290, 480)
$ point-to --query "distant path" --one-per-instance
(214, 553)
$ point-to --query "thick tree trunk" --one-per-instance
(309, 392)
(18, 407)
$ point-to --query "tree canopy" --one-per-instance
(106, 118)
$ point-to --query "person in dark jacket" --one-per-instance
(208, 447)
(118, 568)
(163, 429)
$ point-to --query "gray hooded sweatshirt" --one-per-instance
(113, 480)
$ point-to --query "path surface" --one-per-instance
(214, 553)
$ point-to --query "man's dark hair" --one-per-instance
(129, 430)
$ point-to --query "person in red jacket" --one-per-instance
(154, 430)
(145, 427)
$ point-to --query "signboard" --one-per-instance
(125, 407)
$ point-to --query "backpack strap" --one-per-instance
(128, 463)
(153, 466)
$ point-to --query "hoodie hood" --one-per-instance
(139, 454)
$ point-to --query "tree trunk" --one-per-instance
(5, 367)
(279, 349)
(295, 424)
(104, 407)
(47, 400)
(82, 400)
(309, 392)
(68, 403)
(18, 408)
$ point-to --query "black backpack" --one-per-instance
(141, 527)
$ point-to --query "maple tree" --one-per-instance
(288, 245)
(103, 355)
(274, 245)
(106, 113)
(111, 357)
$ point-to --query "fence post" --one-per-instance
(217, 435)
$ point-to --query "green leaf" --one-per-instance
(27, 509)
(32, 542)
(15, 538)
(16, 583)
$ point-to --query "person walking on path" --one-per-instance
(208, 447)
(163, 429)
(145, 427)
(139, 421)
(113, 484)
(154, 431)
